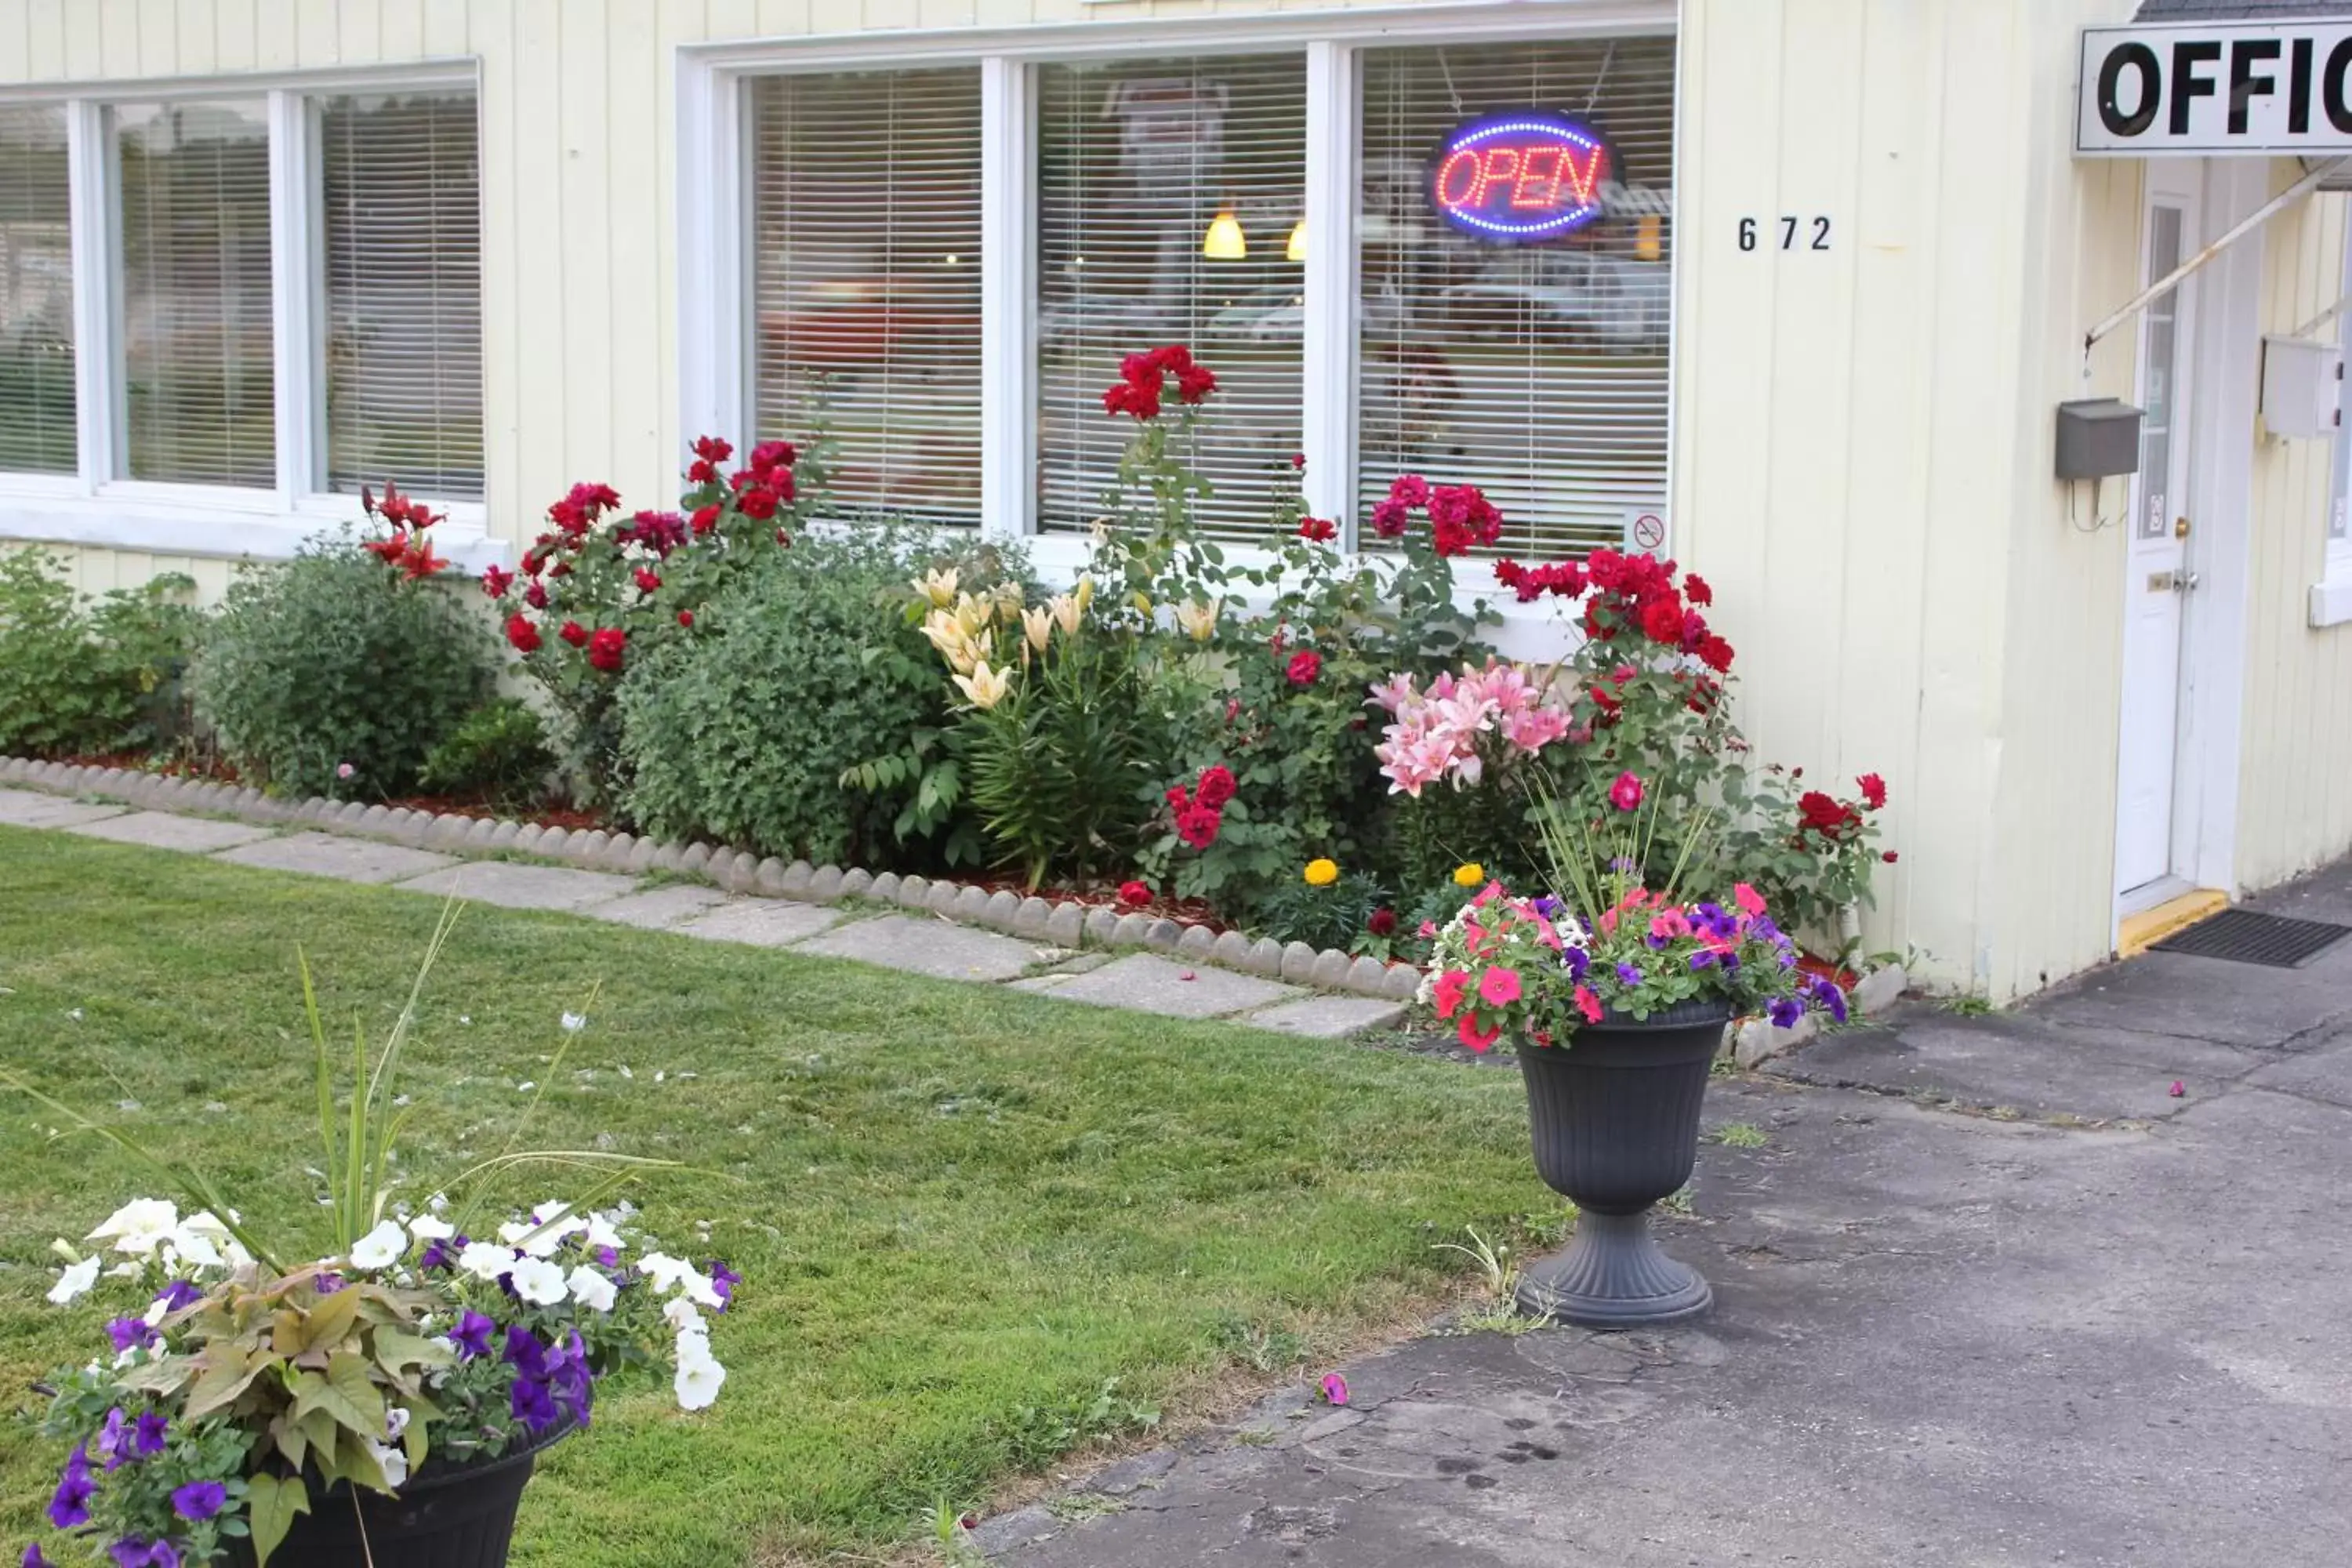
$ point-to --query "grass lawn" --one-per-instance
(960, 1211)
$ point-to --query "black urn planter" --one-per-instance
(457, 1516)
(1615, 1118)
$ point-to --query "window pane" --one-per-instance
(1537, 372)
(1136, 162)
(36, 341)
(865, 278)
(199, 384)
(401, 188)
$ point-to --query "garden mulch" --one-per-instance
(1988, 1292)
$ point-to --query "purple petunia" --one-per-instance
(442, 1253)
(1702, 959)
(132, 1552)
(473, 1335)
(1576, 962)
(130, 1333)
(1832, 999)
(328, 1284)
(147, 1441)
(33, 1558)
(1629, 975)
(114, 1439)
(1784, 1012)
(723, 1280)
(198, 1500)
(1547, 906)
(525, 1353)
(69, 1506)
(179, 1293)
(610, 1257)
(530, 1403)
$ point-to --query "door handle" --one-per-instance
(2184, 582)
(2179, 528)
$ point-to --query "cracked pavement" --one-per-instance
(1987, 1295)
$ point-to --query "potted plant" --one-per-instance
(1615, 996)
(384, 1404)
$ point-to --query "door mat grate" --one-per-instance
(2246, 936)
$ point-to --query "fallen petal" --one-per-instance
(1335, 1388)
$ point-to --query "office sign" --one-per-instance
(2196, 88)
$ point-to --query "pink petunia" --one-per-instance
(1472, 1036)
(1588, 1004)
(1448, 991)
(1498, 987)
(1751, 901)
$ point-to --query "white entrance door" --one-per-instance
(2157, 582)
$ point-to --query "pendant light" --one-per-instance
(1297, 250)
(1224, 240)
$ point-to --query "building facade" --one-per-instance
(1792, 289)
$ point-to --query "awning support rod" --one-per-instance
(2242, 228)
(2322, 318)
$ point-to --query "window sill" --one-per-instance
(2331, 597)
(218, 524)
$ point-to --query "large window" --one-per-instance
(401, 205)
(1170, 209)
(276, 295)
(1537, 372)
(36, 336)
(866, 281)
(199, 378)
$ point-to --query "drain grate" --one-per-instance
(2246, 936)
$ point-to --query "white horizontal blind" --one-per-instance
(1537, 372)
(36, 338)
(866, 281)
(400, 203)
(1136, 161)
(196, 339)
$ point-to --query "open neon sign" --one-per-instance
(1523, 175)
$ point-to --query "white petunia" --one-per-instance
(681, 1315)
(430, 1227)
(663, 1272)
(539, 1282)
(76, 1281)
(197, 1245)
(395, 1422)
(380, 1248)
(139, 1226)
(702, 1292)
(394, 1460)
(541, 1238)
(603, 1232)
(591, 1290)
(698, 1378)
(486, 1261)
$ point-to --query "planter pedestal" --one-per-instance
(1614, 1118)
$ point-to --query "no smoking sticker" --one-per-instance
(1645, 530)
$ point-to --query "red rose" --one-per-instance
(647, 580)
(757, 504)
(700, 472)
(496, 580)
(1715, 653)
(1389, 519)
(1306, 666)
(604, 649)
(712, 450)
(1179, 797)
(1134, 894)
(572, 632)
(1195, 382)
(522, 632)
(1824, 815)
(1198, 826)
(685, 617)
(1299, 460)
(1216, 787)
(1874, 790)
(536, 596)
(1888, 857)
(1317, 528)
(769, 455)
(1695, 590)
(1382, 923)
(1662, 620)
(705, 518)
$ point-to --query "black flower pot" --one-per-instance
(1615, 1121)
(455, 1516)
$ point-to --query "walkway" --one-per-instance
(2011, 1303)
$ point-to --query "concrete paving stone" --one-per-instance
(1101, 923)
(1145, 983)
(160, 830)
(1330, 971)
(1297, 962)
(825, 884)
(330, 855)
(1758, 1040)
(1083, 962)
(2180, 993)
(1002, 909)
(1161, 936)
(1328, 1017)
(797, 875)
(513, 885)
(883, 890)
(1196, 943)
(1368, 976)
(1040, 983)
(1880, 989)
(913, 893)
(28, 808)
(762, 922)
(855, 881)
(658, 908)
(1066, 926)
(1029, 920)
(927, 946)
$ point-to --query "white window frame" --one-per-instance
(715, 260)
(2331, 596)
(97, 505)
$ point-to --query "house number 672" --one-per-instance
(1793, 233)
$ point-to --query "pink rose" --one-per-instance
(1626, 793)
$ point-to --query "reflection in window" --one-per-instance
(1171, 195)
(866, 281)
(1537, 372)
(401, 215)
(197, 346)
(37, 339)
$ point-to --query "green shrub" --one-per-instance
(80, 676)
(500, 753)
(795, 681)
(334, 659)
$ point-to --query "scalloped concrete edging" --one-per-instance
(1066, 925)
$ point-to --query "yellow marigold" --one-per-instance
(1322, 872)
(1470, 874)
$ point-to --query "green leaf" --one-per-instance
(270, 1504)
(228, 1370)
(346, 1393)
(397, 1348)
